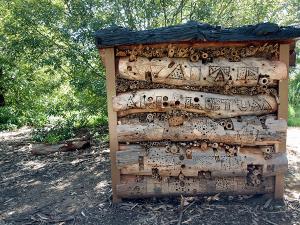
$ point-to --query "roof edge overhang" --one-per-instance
(194, 32)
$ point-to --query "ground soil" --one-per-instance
(74, 188)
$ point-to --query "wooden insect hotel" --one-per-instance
(197, 109)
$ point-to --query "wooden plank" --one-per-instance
(248, 130)
(181, 71)
(135, 187)
(211, 105)
(190, 159)
(282, 113)
(125, 157)
(108, 57)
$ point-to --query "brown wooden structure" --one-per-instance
(197, 109)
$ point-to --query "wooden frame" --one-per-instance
(282, 114)
(108, 58)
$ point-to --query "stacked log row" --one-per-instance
(183, 129)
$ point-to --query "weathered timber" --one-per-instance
(245, 130)
(43, 149)
(194, 32)
(138, 186)
(211, 105)
(220, 72)
(108, 57)
(282, 113)
(215, 160)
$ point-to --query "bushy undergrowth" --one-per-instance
(60, 129)
(294, 116)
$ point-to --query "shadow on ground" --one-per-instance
(74, 188)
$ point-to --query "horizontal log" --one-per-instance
(135, 187)
(217, 160)
(211, 105)
(44, 149)
(220, 72)
(248, 130)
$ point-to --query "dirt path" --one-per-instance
(74, 188)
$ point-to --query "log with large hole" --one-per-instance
(211, 105)
(220, 72)
(247, 130)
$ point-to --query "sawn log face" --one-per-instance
(211, 105)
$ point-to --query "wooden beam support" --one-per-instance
(108, 58)
(282, 114)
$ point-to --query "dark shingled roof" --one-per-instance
(194, 31)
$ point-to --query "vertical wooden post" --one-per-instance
(108, 58)
(282, 114)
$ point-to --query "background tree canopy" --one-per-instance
(50, 71)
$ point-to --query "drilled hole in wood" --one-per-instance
(171, 64)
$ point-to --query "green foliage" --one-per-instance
(49, 65)
(294, 116)
(49, 62)
(294, 94)
(62, 128)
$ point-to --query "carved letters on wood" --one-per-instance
(211, 105)
(220, 72)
